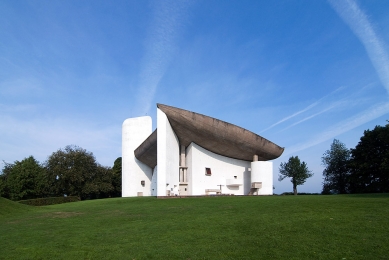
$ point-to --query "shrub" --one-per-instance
(300, 193)
(49, 201)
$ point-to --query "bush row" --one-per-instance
(300, 193)
(49, 201)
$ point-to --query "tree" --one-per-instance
(74, 171)
(337, 171)
(69, 170)
(117, 177)
(370, 162)
(296, 170)
(100, 186)
(5, 173)
(24, 180)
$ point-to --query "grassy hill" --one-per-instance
(276, 227)
(11, 208)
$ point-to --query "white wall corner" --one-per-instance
(262, 171)
(134, 132)
(168, 155)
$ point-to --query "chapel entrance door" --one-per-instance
(183, 190)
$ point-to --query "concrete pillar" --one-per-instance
(183, 167)
(255, 158)
(182, 156)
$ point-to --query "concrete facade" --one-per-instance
(168, 156)
(166, 163)
(231, 176)
(260, 173)
(134, 132)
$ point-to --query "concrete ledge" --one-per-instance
(199, 196)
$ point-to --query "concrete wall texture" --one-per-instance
(167, 157)
(263, 172)
(222, 169)
(134, 132)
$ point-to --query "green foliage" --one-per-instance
(49, 201)
(234, 227)
(74, 171)
(296, 170)
(4, 187)
(100, 185)
(336, 172)
(117, 177)
(71, 171)
(370, 162)
(301, 193)
(23, 180)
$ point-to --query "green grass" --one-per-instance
(273, 227)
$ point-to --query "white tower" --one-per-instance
(136, 176)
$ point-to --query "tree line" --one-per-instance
(363, 169)
(71, 171)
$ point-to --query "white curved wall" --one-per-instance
(153, 185)
(134, 132)
(168, 156)
(263, 172)
(222, 168)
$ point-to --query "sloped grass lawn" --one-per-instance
(273, 227)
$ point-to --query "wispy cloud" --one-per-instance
(21, 87)
(348, 101)
(312, 116)
(342, 127)
(357, 20)
(161, 41)
(303, 110)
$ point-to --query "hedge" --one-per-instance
(299, 193)
(49, 201)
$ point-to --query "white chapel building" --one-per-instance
(190, 154)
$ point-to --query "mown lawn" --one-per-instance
(264, 227)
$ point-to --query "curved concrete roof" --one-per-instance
(147, 151)
(212, 134)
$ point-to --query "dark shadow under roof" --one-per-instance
(212, 134)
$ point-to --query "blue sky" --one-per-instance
(299, 72)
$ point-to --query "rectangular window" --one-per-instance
(208, 171)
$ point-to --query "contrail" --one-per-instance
(354, 17)
(169, 15)
(341, 102)
(345, 126)
(312, 116)
(302, 111)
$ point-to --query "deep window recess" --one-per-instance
(208, 171)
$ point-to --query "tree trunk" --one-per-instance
(295, 189)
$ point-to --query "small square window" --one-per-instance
(208, 171)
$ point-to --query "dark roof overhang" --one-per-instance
(212, 134)
(147, 151)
